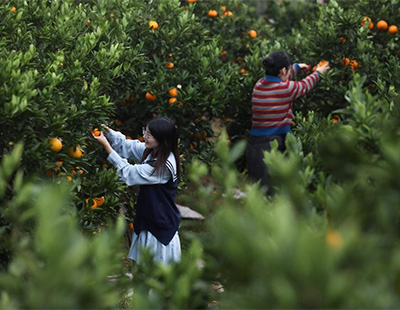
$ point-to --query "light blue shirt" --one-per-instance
(136, 174)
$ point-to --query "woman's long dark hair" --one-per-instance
(275, 62)
(164, 131)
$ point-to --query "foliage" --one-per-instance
(330, 229)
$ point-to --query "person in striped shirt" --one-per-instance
(272, 101)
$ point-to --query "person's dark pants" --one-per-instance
(257, 169)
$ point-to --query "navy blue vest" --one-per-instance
(156, 211)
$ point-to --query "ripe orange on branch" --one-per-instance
(74, 152)
(91, 203)
(55, 144)
(153, 25)
(345, 61)
(393, 29)
(212, 13)
(172, 100)
(253, 34)
(99, 200)
(370, 25)
(173, 92)
(382, 25)
(150, 96)
(169, 65)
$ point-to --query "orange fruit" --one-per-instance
(172, 100)
(169, 65)
(173, 92)
(60, 163)
(342, 39)
(212, 13)
(150, 97)
(13, 9)
(191, 148)
(336, 116)
(55, 144)
(223, 53)
(334, 121)
(74, 152)
(69, 178)
(345, 61)
(99, 200)
(370, 25)
(112, 15)
(198, 136)
(334, 239)
(131, 227)
(322, 62)
(153, 25)
(253, 34)
(230, 14)
(223, 9)
(88, 22)
(78, 170)
(96, 132)
(192, 1)
(382, 25)
(393, 29)
(91, 203)
(354, 65)
(243, 70)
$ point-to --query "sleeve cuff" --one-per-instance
(296, 65)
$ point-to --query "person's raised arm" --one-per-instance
(130, 149)
(299, 88)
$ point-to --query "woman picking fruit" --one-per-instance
(272, 101)
(157, 217)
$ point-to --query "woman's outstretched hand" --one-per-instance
(324, 68)
(101, 138)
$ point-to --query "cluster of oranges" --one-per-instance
(347, 62)
(56, 145)
(225, 12)
(169, 63)
(381, 25)
(173, 92)
(94, 202)
(336, 118)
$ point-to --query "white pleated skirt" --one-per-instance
(170, 253)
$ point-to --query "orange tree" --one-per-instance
(70, 66)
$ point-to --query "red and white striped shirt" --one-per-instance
(272, 102)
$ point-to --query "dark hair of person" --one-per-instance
(275, 62)
(164, 131)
